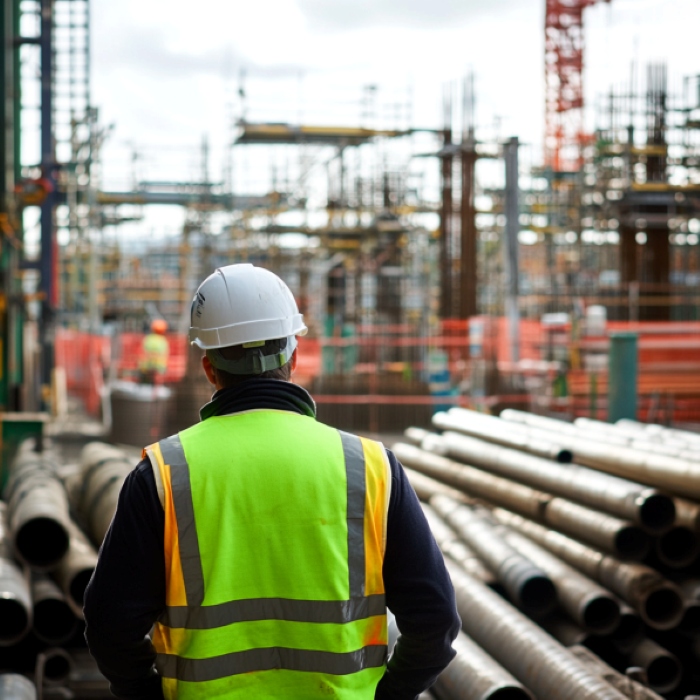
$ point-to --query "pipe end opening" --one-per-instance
(633, 543)
(565, 456)
(678, 547)
(657, 513)
(54, 621)
(664, 674)
(42, 542)
(663, 608)
(510, 693)
(15, 620)
(538, 596)
(601, 615)
(79, 584)
(57, 667)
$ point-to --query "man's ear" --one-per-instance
(209, 370)
(294, 360)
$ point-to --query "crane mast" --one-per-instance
(564, 45)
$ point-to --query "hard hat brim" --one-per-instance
(246, 332)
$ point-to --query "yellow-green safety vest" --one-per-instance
(156, 351)
(275, 533)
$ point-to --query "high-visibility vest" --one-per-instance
(155, 353)
(275, 532)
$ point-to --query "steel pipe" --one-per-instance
(524, 649)
(690, 623)
(75, 570)
(474, 675)
(54, 620)
(103, 470)
(677, 548)
(601, 530)
(687, 514)
(472, 481)
(587, 603)
(54, 666)
(426, 487)
(13, 686)
(674, 435)
(658, 602)
(663, 669)
(628, 687)
(38, 511)
(491, 429)
(415, 435)
(625, 499)
(15, 598)
(629, 630)
(679, 476)
(526, 584)
(458, 551)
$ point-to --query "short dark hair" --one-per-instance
(237, 352)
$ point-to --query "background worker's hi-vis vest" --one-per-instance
(275, 529)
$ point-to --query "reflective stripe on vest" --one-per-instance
(186, 581)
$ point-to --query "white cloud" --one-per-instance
(348, 14)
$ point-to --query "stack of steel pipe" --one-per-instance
(46, 561)
(610, 521)
(103, 470)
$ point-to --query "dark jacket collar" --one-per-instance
(256, 393)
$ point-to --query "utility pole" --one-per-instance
(510, 247)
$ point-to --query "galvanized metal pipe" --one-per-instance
(75, 570)
(587, 603)
(13, 686)
(605, 531)
(15, 598)
(103, 469)
(657, 600)
(679, 476)
(490, 428)
(474, 675)
(620, 497)
(458, 551)
(526, 584)
(522, 647)
(38, 511)
(663, 669)
(54, 620)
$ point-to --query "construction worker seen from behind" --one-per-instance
(154, 353)
(262, 547)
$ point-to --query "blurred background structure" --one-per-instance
(439, 264)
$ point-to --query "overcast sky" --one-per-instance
(167, 72)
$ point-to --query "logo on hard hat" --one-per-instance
(199, 304)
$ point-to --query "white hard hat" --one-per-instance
(241, 304)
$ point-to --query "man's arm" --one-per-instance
(127, 591)
(419, 593)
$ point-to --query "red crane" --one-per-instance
(563, 66)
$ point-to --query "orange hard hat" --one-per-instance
(159, 325)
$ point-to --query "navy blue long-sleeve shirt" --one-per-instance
(127, 592)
